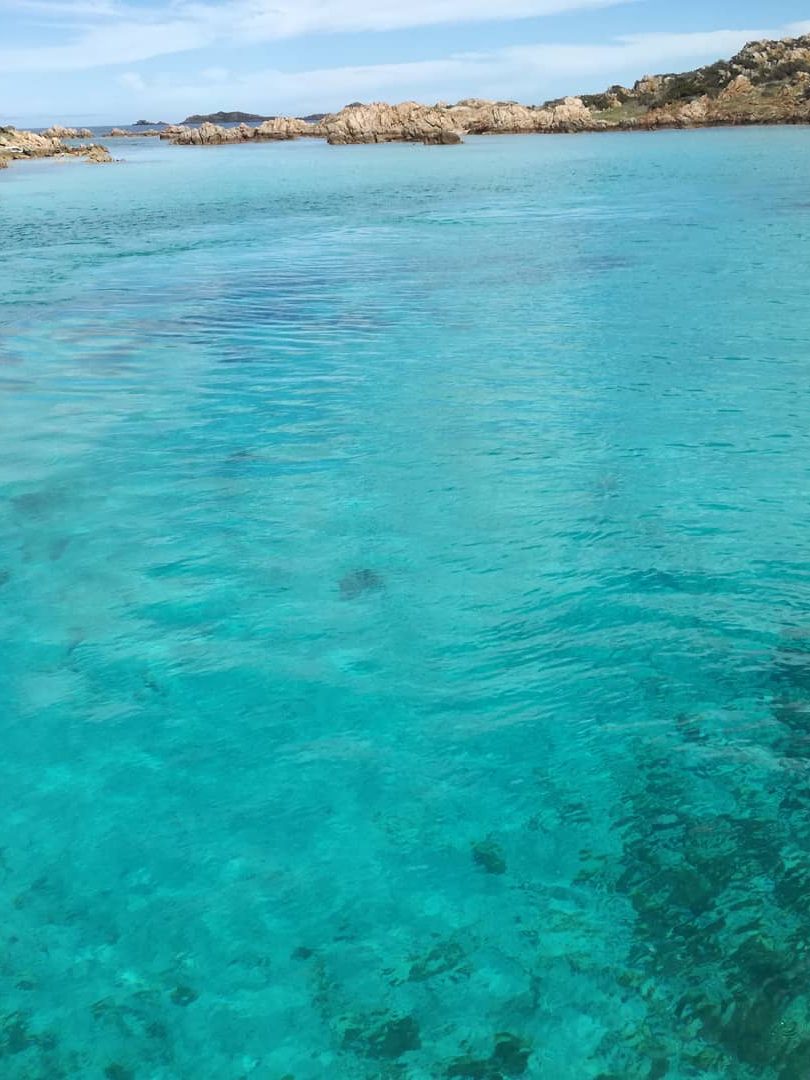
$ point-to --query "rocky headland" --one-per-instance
(767, 82)
(20, 145)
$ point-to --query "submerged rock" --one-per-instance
(488, 855)
(440, 960)
(359, 582)
(388, 1040)
(183, 995)
(510, 1057)
(115, 1071)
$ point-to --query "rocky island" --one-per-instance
(767, 82)
(226, 118)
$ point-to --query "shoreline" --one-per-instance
(96, 153)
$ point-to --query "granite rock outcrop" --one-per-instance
(56, 131)
(16, 145)
(122, 133)
(378, 122)
(767, 82)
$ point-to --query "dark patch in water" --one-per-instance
(15, 1036)
(509, 1058)
(390, 1040)
(488, 855)
(34, 503)
(5, 577)
(730, 989)
(118, 1072)
(441, 960)
(58, 547)
(183, 995)
(359, 583)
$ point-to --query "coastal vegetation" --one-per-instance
(767, 82)
(225, 118)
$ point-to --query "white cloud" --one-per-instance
(131, 80)
(215, 74)
(529, 73)
(526, 72)
(129, 35)
(267, 20)
(62, 11)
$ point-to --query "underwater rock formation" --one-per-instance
(488, 855)
(510, 1057)
(388, 1040)
(359, 583)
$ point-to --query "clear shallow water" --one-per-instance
(404, 611)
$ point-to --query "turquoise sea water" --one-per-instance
(405, 611)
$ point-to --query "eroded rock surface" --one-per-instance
(766, 82)
(56, 131)
(407, 122)
(16, 145)
(207, 134)
(122, 133)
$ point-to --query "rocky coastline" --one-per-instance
(767, 82)
(154, 133)
(24, 145)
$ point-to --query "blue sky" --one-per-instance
(103, 61)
